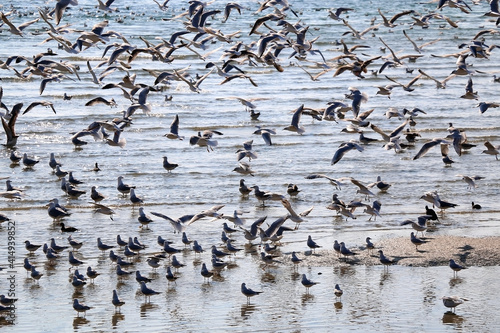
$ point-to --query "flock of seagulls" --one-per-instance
(273, 33)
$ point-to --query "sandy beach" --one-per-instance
(439, 249)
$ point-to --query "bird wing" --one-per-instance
(174, 127)
(341, 152)
(379, 131)
(426, 147)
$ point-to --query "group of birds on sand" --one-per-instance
(263, 51)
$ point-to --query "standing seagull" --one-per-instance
(144, 219)
(337, 291)
(307, 283)
(456, 267)
(384, 260)
(453, 301)
(169, 166)
(244, 190)
(294, 126)
(248, 292)
(312, 244)
(80, 307)
(416, 241)
(116, 301)
(147, 292)
(123, 188)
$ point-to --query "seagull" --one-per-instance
(119, 271)
(470, 180)
(453, 301)
(244, 169)
(344, 148)
(338, 182)
(95, 195)
(205, 140)
(369, 244)
(420, 225)
(9, 127)
(116, 301)
(27, 265)
(307, 283)
(144, 219)
(154, 263)
(76, 282)
(345, 251)
(73, 261)
(295, 260)
(265, 195)
(179, 224)
(266, 134)
(103, 247)
(294, 126)
(293, 216)
(381, 185)
(484, 106)
(428, 145)
(35, 274)
(7, 300)
(74, 243)
(92, 274)
(244, 190)
(373, 210)
(312, 244)
(268, 259)
(491, 150)
(416, 241)
(246, 151)
(80, 307)
(134, 198)
(336, 15)
(363, 190)
(169, 166)
(29, 162)
(170, 276)
(248, 292)
(56, 247)
(338, 292)
(456, 267)
(384, 260)
(139, 278)
(123, 188)
(31, 247)
(176, 263)
(174, 130)
(206, 273)
(59, 11)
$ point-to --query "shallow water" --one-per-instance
(407, 298)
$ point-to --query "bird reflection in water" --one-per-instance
(247, 309)
(307, 297)
(450, 318)
(116, 318)
(145, 307)
(79, 322)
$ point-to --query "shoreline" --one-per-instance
(437, 251)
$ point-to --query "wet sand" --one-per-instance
(469, 251)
